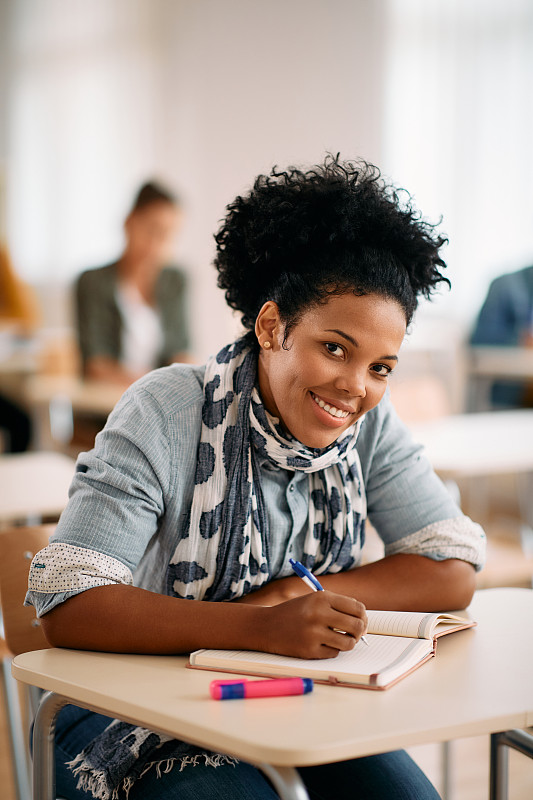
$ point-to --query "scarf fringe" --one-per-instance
(94, 781)
(90, 779)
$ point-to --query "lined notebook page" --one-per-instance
(391, 655)
(421, 625)
(400, 623)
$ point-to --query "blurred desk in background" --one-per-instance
(471, 445)
(95, 397)
(33, 486)
(54, 400)
(16, 369)
(23, 362)
(486, 364)
(482, 445)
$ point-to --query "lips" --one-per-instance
(332, 410)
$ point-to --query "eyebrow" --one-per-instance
(355, 343)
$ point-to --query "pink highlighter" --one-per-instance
(274, 687)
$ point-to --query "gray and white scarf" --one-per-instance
(225, 551)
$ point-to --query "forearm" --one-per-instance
(401, 582)
(407, 582)
(127, 619)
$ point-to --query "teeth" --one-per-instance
(335, 412)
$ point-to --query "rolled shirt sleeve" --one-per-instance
(457, 537)
(61, 570)
(116, 501)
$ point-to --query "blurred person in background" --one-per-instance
(131, 313)
(19, 317)
(506, 320)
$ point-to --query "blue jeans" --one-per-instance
(390, 776)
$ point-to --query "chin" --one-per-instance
(319, 441)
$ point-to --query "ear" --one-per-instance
(268, 325)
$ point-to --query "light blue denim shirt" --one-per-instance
(131, 496)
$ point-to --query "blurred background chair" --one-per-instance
(21, 632)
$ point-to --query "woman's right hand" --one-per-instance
(317, 625)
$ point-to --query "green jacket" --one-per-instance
(99, 322)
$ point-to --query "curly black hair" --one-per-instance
(300, 236)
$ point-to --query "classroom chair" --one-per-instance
(22, 632)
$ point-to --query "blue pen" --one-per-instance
(306, 576)
(309, 579)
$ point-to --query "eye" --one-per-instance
(383, 370)
(334, 349)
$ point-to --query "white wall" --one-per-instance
(203, 93)
(458, 132)
(80, 131)
(252, 84)
(207, 93)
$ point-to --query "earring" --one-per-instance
(266, 345)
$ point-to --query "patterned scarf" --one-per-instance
(225, 552)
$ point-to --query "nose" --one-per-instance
(352, 381)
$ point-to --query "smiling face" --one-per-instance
(334, 366)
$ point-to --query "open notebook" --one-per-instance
(399, 642)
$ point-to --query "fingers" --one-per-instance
(349, 606)
(348, 616)
(338, 642)
(325, 651)
(338, 621)
(318, 625)
(341, 642)
(352, 627)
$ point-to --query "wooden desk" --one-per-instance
(479, 683)
(34, 485)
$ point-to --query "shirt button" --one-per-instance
(291, 487)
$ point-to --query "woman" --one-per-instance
(206, 479)
(131, 314)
